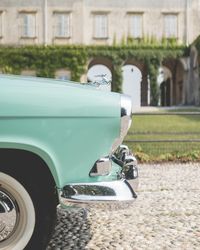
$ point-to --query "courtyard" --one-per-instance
(164, 216)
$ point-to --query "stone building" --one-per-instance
(87, 22)
(96, 22)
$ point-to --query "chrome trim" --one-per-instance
(126, 105)
(101, 167)
(101, 195)
(122, 152)
(126, 112)
(99, 191)
(101, 80)
(9, 214)
(119, 190)
(128, 162)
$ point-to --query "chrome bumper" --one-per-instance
(120, 190)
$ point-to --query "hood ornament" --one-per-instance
(103, 80)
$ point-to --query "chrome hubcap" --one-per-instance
(9, 215)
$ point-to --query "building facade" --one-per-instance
(107, 22)
(97, 22)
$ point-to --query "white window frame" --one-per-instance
(170, 25)
(28, 24)
(100, 25)
(135, 26)
(62, 29)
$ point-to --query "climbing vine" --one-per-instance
(196, 43)
(46, 60)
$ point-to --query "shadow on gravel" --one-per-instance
(72, 230)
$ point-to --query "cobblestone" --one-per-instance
(165, 216)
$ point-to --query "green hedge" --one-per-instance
(46, 60)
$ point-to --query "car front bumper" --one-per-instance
(121, 190)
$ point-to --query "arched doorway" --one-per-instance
(96, 72)
(132, 77)
(97, 67)
(179, 83)
(164, 81)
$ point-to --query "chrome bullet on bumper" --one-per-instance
(120, 190)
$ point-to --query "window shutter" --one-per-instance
(63, 25)
(28, 27)
(59, 25)
(104, 26)
(101, 26)
(25, 25)
(31, 24)
(97, 26)
(136, 26)
(170, 24)
(66, 25)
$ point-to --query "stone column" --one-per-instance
(144, 89)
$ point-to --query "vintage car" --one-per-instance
(60, 143)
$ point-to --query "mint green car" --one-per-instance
(60, 144)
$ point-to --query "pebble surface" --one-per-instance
(166, 215)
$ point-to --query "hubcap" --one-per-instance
(9, 215)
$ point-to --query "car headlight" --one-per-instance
(126, 112)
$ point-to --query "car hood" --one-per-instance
(25, 96)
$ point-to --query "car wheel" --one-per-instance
(25, 221)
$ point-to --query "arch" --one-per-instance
(132, 77)
(100, 60)
(164, 81)
(131, 61)
(178, 80)
(97, 67)
(145, 89)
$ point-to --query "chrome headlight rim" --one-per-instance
(126, 120)
(126, 105)
(126, 114)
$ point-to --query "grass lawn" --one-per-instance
(165, 127)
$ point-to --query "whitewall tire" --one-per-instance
(17, 214)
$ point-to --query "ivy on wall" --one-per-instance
(46, 60)
(196, 43)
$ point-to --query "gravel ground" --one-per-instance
(166, 215)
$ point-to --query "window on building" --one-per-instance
(101, 26)
(63, 74)
(62, 25)
(136, 25)
(28, 27)
(170, 25)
